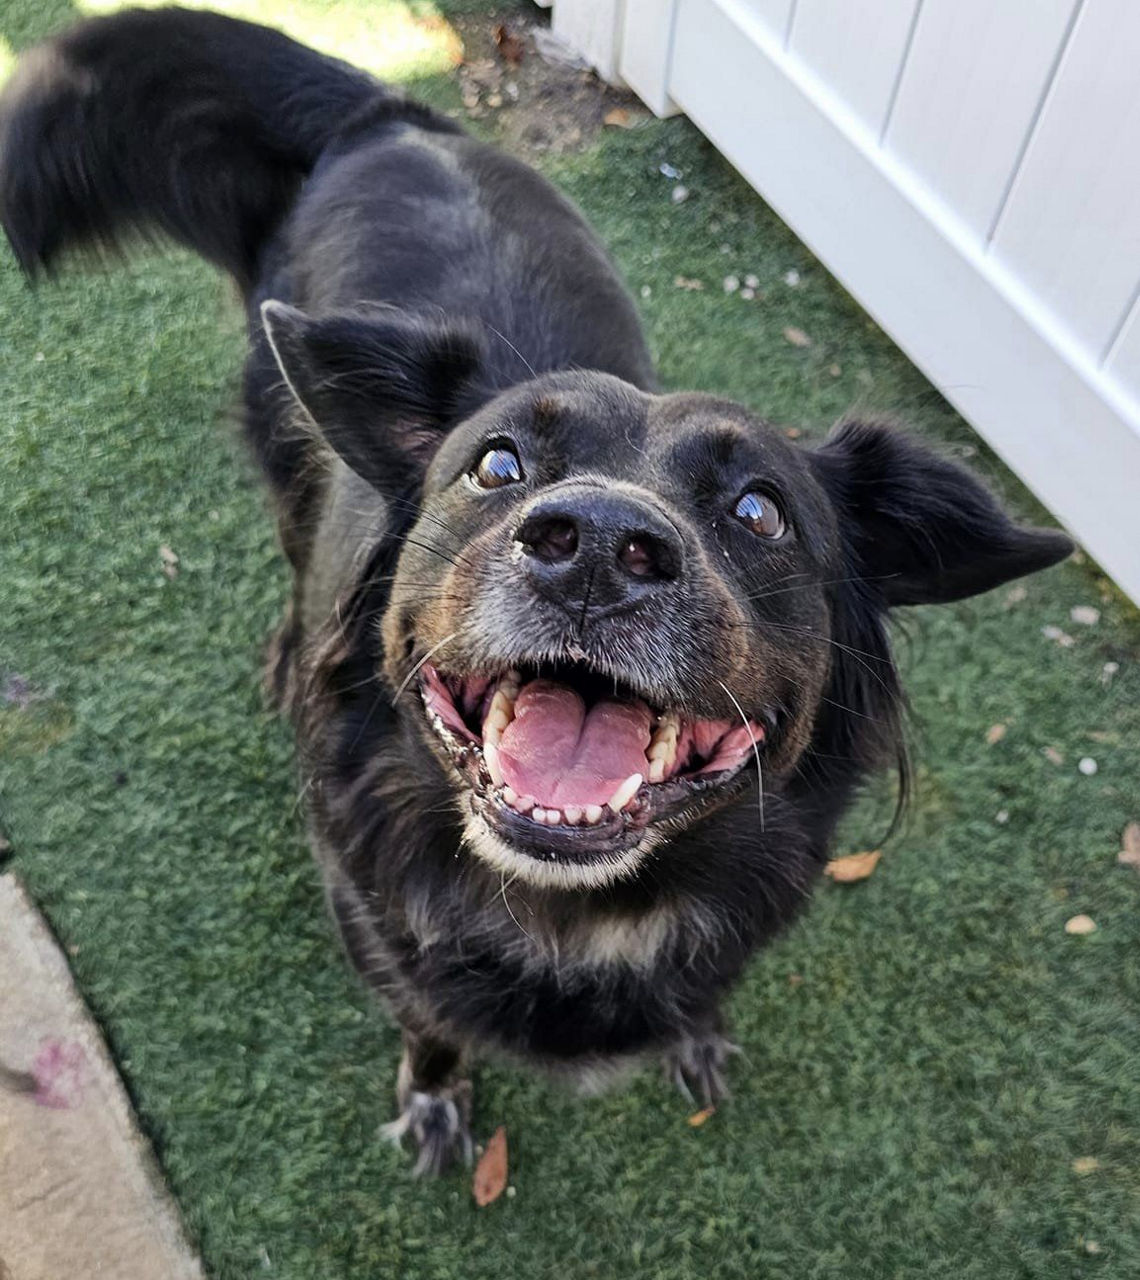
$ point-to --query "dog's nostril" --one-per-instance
(637, 555)
(553, 540)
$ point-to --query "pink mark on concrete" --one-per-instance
(59, 1070)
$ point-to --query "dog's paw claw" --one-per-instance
(696, 1068)
(439, 1126)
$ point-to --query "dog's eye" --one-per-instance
(497, 467)
(761, 513)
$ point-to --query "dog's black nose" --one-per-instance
(590, 546)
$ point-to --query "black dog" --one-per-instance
(583, 675)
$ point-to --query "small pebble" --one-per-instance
(748, 294)
(1108, 671)
(731, 284)
(39, 357)
(1080, 925)
(1085, 614)
(646, 290)
(511, 1192)
(1087, 765)
(752, 282)
(668, 171)
(791, 278)
(1001, 817)
(679, 194)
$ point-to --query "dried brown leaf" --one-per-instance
(490, 1178)
(796, 337)
(511, 48)
(1130, 846)
(1054, 756)
(698, 1118)
(856, 866)
(1084, 1165)
(686, 282)
(618, 118)
(995, 733)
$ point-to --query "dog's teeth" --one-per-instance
(572, 815)
(491, 760)
(510, 685)
(524, 804)
(662, 749)
(502, 709)
(510, 796)
(625, 793)
(593, 813)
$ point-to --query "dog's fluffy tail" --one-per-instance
(170, 121)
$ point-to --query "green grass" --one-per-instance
(910, 1107)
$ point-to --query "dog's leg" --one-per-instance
(435, 1106)
(696, 1066)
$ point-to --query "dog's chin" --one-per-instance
(569, 780)
(553, 860)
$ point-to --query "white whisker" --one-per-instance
(412, 674)
(755, 750)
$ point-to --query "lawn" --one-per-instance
(926, 1054)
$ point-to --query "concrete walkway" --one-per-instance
(80, 1195)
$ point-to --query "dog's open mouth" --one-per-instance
(565, 762)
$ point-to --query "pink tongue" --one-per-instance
(561, 754)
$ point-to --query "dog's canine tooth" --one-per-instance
(662, 749)
(509, 686)
(593, 813)
(491, 760)
(510, 796)
(625, 793)
(502, 709)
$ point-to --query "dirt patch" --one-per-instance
(515, 80)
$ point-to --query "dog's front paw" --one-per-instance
(696, 1066)
(439, 1123)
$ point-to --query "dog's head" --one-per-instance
(612, 610)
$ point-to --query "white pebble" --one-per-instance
(667, 170)
(680, 194)
(645, 291)
(731, 284)
(752, 282)
(1085, 614)
(1001, 817)
(1087, 765)
(748, 294)
(791, 278)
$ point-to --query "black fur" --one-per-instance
(416, 298)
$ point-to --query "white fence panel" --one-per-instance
(974, 81)
(1070, 230)
(856, 48)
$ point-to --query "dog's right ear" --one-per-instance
(382, 386)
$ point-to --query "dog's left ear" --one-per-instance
(381, 385)
(924, 528)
